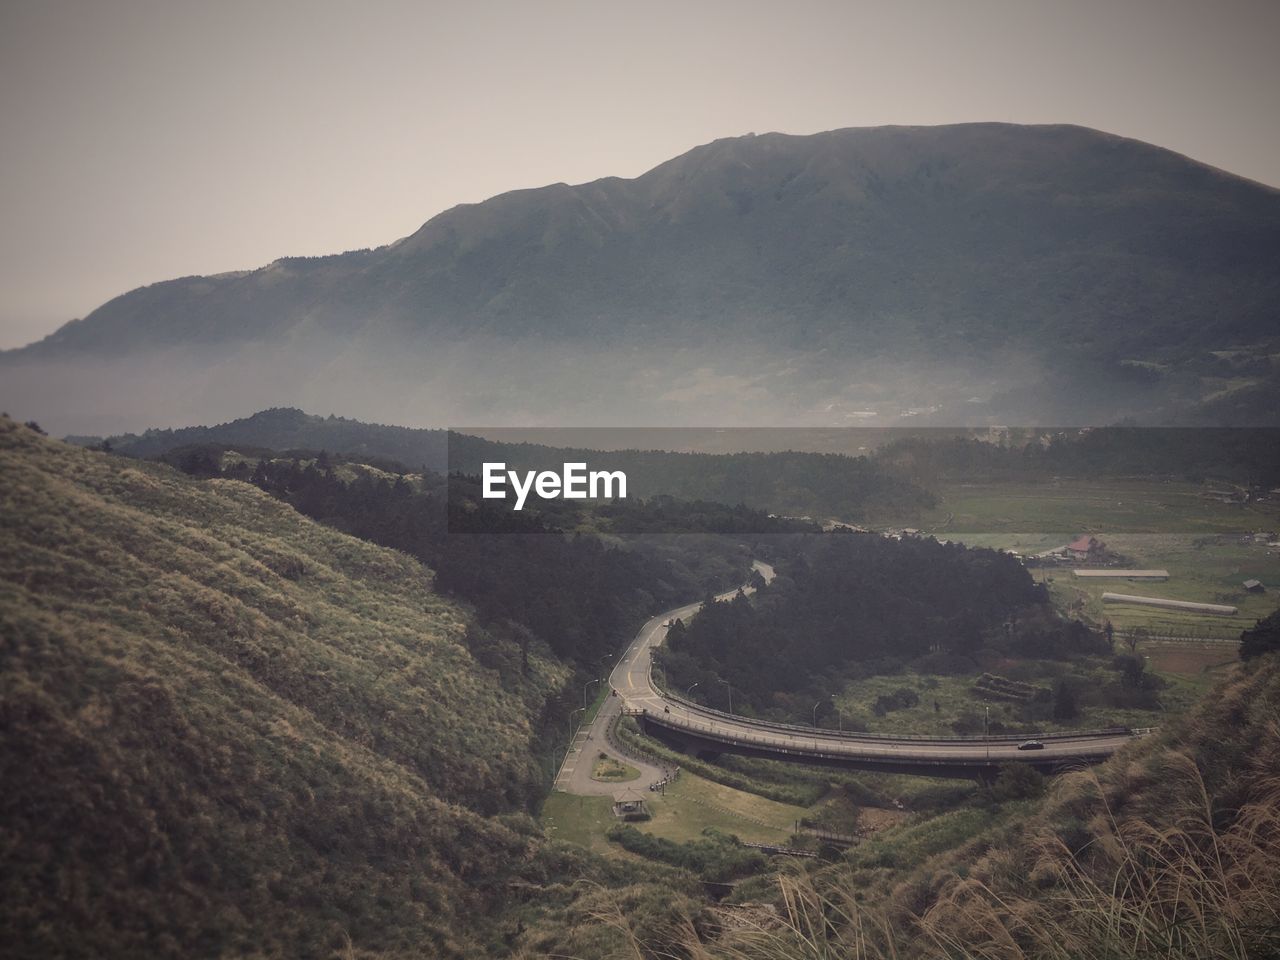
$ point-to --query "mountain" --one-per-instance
(230, 730)
(974, 272)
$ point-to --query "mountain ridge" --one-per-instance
(987, 258)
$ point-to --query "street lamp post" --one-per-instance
(986, 728)
(585, 686)
(571, 713)
(832, 698)
(688, 695)
(730, 687)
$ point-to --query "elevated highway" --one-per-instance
(694, 728)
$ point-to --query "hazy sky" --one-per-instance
(146, 139)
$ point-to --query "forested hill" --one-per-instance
(851, 605)
(820, 485)
(286, 428)
(231, 730)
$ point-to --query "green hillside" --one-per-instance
(230, 730)
(1168, 850)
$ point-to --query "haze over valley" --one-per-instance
(966, 274)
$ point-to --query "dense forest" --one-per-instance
(544, 575)
(1245, 455)
(821, 485)
(853, 605)
(795, 483)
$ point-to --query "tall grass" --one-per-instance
(1186, 889)
(1185, 879)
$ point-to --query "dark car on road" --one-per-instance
(1031, 745)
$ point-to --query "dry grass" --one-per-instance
(1185, 889)
(1171, 850)
(230, 731)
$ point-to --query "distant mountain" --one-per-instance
(977, 272)
(290, 429)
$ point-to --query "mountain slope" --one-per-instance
(968, 260)
(231, 730)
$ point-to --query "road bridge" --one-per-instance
(697, 729)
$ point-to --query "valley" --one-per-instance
(720, 837)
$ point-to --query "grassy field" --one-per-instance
(1072, 506)
(692, 804)
(687, 808)
(580, 820)
(1202, 543)
(1204, 569)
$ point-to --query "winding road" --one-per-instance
(695, 727)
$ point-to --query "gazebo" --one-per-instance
(629, 804)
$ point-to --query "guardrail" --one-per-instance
(848, 749)
(826, 733)
(841, 739)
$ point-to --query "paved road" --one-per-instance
(575, 772)
(636, 692)
(632, 679)
(588, 744)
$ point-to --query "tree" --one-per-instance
(1262, 638)
(1132, 638)
(1131, 670)
(1017, 781)
(1064, 702)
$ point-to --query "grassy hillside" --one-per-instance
(1168, 850)
(231, 730)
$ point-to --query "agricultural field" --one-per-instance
(1203, 568)
(1207, 547)
(1073, 506)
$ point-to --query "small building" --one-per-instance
(629, 804)
(1086, 547)
(1254, 586)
